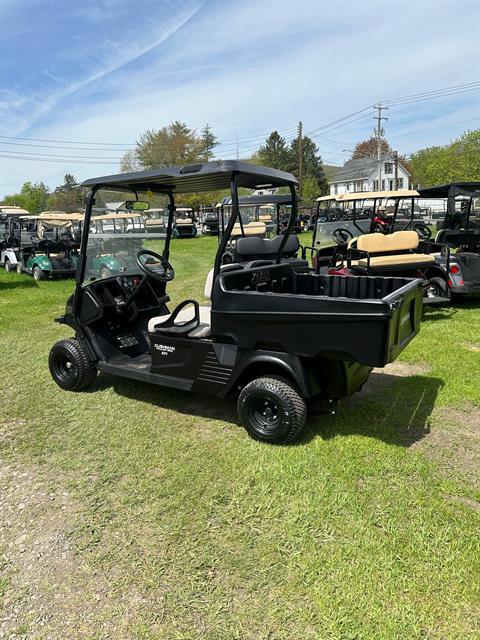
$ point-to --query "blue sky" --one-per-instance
(106, 70)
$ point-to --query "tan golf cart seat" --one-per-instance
(393, 251)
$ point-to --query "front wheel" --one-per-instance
(272, 410)
(9, 266)
(437, 288)
(70, 366)
(39, 274)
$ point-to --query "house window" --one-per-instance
(400, 183)
(358, 185)
(383, 184)
(348, 186)
(335, 189)
(391, 184)
(388, 168)
(375, 185)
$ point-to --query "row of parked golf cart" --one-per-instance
(282, 332)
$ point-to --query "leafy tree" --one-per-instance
(275, 152)
(458, 161)
(368, 148)
(209, 141)
(172, 145)
(33, 197)
(68, 196)
(312, 165)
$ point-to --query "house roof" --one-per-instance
(360, 168)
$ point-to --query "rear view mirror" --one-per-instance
(137, 205)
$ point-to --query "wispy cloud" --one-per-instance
(86, 56)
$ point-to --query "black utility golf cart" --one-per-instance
(275, 336)
(460, 230)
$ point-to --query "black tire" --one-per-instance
(19, 268)
(39, 274)
(272, 410)
(8, 266)
(436, 288)
(70, 366)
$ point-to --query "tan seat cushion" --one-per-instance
(378, 243)
(250, 229)
(406, 259)
(181, 221)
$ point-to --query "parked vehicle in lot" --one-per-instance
(9, 235)
(460, 231)
(210, 222)
(184, 223)
(275, 336)
(48, 244)
(399, 254)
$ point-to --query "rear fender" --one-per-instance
(260, 363)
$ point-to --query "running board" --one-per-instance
(126, 371)
(436, 300)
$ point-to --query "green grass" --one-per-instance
(201, 532)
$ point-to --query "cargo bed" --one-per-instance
(365, 319)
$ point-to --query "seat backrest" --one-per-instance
(379, 243)
(250, 229)
(263, 248)
(181, 221)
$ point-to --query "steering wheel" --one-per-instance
(341, 236)
(155, 265)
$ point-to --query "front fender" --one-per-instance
(41, 261)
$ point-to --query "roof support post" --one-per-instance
(82, 258)
(291, 222)
(171, 213)
(228, 230)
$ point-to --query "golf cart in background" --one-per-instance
(156, 220)
(209, 221)
(10, 235)
(259, 217)
(276, 337)
(460, 231)
(110, 252)
(49, 245)
(349, 239)
(184, 223)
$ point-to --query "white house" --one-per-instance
(362, 175)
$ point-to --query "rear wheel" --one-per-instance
(437, 288)
(39, 274)
(19, 268)
(69, 365)
(272, 410)
(9, 266)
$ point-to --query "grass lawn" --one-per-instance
(136, 512)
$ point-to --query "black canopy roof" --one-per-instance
(452, 189)
(194, 178)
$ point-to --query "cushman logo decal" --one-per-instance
(164, 348)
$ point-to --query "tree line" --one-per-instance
(177, 144)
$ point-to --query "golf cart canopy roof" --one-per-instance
(13, 211)
(117, 216)
(326, 198)
(60, 216)
(452, 189)
(195, 178)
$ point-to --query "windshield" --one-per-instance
(113, 252)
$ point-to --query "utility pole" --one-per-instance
(379, 132)
(300, 158)
(395, 154)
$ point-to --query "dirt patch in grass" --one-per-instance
(466, 502)
(380, 378)
(48, 591)
(454, 441)
(471, 346)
